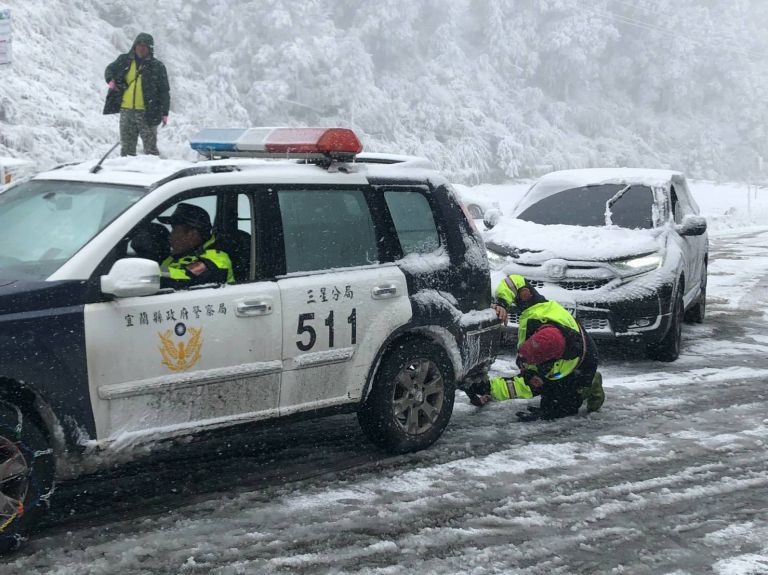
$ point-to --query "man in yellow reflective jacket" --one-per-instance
(139, 91)
(557, 357)
(194, 259)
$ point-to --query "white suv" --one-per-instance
(359, 287)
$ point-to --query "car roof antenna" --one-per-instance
(97, 168)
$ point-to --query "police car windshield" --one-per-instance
(585, 206)
(43, 223)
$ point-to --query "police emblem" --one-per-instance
(183, 355)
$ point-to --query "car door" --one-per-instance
(340, 303)
(189, 358)
(689, 245)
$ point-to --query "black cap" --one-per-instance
(189, 215)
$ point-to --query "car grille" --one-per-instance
(588, 323)
(595, 324)
(586, 285)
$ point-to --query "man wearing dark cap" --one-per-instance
(194, 259)
(139, 91)
(557, 357)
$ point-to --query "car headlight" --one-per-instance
(641, 265)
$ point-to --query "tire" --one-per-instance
(26, 475)
(411, 400)
(668, 349)
(697, 312)
(475, 211)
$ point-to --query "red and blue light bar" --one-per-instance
(311, 143)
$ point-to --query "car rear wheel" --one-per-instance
(411, 400)
(696, 313)
(668, 349)
(26, 475)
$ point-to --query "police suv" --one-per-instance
(359, 285)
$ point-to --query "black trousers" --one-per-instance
(561, 398)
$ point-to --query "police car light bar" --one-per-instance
(309, 143)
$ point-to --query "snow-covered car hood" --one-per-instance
(535, 243)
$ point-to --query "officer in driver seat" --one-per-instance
(194, 258)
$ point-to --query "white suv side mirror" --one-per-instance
(132, 277)
(692, 226)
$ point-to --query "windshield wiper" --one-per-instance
(616, 197)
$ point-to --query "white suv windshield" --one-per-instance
(585, 206)
(43, 223)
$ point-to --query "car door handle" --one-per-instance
(385, 291)
(251, 308)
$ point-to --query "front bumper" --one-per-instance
(646, 318)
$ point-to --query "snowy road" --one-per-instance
(671, 477)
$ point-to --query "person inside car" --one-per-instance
(557, 358)
(194, 258)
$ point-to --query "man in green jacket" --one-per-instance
(139, 91)
(557, 357)
(194, 259)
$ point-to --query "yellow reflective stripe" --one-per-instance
(133, 97)
(521, 388)
(499, 389)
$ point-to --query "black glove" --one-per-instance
(476, 391)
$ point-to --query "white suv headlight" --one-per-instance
(636, 266)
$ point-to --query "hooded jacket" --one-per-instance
(155, 87)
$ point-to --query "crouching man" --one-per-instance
(556, 356)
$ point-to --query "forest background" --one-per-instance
(490, 90)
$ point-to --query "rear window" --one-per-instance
(414, 222)
(586, 206)
(325, 229)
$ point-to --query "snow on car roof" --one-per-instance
(591, 176)
(400, 159)
(7, 162)
(145, 171)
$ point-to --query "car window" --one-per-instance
(677, 206)
(414, 222)
(325, 229)
(585, 206)
(43, 223)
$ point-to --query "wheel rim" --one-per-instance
(14, 481)
(418, 396)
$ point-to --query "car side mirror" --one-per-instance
(491, 218)
(130, 277)
(692, 226)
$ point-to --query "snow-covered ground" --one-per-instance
(671, 477)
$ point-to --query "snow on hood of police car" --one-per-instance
(533, 243)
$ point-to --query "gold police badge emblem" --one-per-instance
(183, 355)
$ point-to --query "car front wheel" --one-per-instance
(411, 400)
(697, 312)
(668, 348)
(26, 475)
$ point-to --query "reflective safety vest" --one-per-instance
(177, 268)
(541, 313)
(133, 97)
(551, 312)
